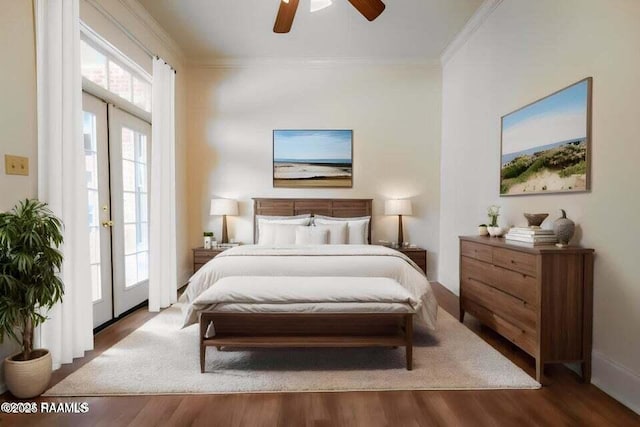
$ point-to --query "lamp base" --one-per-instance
(400, 232)
(225, 235)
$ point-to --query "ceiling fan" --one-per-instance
(370, 9)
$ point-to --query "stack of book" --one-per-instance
(534, 236)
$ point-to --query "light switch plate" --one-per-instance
(16, 165)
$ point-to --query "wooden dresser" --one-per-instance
(540, 298)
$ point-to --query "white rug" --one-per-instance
(161, 358)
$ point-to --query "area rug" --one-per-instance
(161, 358)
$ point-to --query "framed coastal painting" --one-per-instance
(546, 146)
(313, 158)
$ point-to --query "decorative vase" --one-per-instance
(564, 229)
(207, 242)
(482, 230)
(28, 378)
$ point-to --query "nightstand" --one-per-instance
(417, 255)
(201, 256)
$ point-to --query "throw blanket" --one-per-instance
(315, 261)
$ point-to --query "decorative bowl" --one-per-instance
(535, 220)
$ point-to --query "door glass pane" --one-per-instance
(93, 202)
(131, 270)
(128, 176)
(129, 207)
(136, 208)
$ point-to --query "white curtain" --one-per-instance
(61, 173)
(162, 211)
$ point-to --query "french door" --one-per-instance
(117, 153)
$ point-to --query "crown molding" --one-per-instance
(473, 24)
(145, 18)
(319, 62)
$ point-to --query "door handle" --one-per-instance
(107, 224)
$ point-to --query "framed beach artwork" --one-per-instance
(313, 158)
(546, 146)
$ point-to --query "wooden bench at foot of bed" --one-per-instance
(271, 330)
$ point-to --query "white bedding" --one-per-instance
(292, 294)
(312, 261)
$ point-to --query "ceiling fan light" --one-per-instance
(316, 5)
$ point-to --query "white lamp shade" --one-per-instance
(223, 207)
(398, 207)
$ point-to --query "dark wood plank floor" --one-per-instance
(565, 401)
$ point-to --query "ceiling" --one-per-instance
(243, 29)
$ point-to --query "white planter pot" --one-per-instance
(495, 231)
(482, 231)
(29, 378)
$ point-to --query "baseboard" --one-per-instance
(616, 380)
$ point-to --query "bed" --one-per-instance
(313, 295)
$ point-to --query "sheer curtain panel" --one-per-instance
(162, 209)
(61, 172)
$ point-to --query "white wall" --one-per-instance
(394, 111)
(18, 132)
(523, 51)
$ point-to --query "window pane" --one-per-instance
(128, 176)
(141, 148)
(130, 239)
(94, 64)
(143, 237)
(94, 208)
(96, 283)
(144, 208)
(119, 81)
(143, 266)
(129, 200)
(89, 131)
(142, 94)
(130, 270)
(94, 245)
(141, 177)
(128, 151)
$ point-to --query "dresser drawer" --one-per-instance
(515, 260)
(477, 251)
(472, 269)
(517, 284)
(523, 338)
(504, 305)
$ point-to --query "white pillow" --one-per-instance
(277, 234)
(338, 233)
(311, 236)
(358, 228)
(264, 219)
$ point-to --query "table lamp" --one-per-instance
(224, 207)
(398, 207)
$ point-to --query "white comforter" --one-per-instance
(313, 261)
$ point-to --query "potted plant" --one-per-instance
(29, 286)
(482, 230)
(493, 212)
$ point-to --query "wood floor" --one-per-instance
(564, 402)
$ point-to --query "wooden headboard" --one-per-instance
(340, 208)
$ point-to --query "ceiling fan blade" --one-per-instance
(371, 9)
(286, 13)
